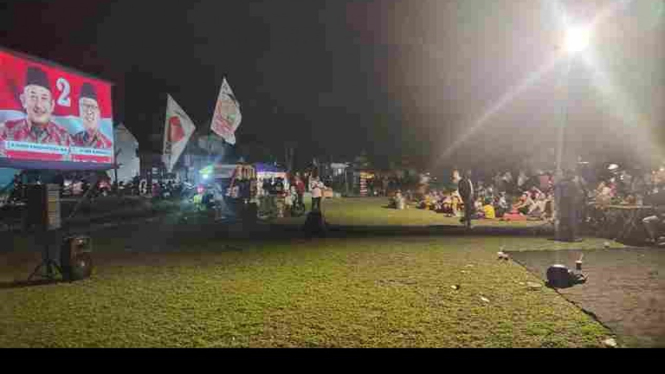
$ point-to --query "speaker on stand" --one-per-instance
(76, 258)
(43, 216)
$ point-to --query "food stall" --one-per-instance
(267, 172)
(237, 182)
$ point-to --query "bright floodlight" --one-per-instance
(577, 39)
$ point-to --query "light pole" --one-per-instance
(577, 40)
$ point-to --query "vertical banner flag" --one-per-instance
(177, 130)
(227, 117)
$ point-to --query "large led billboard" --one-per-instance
(53, 117)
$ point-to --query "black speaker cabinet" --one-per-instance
(44, 206)
(250, 213)
(315, 224)
(76, 258)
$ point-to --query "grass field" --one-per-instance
(364, 292)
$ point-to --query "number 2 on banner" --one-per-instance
(63, 86)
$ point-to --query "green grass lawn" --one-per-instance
(367, 292)
(373, 212)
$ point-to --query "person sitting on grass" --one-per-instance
(456, 205)
(501, 205)
(425, 202)
(447, 205)
(397, 201)
(549, 207)
(477, 211)
(537, 209)
(429, 201)
(534, 192)
(392, 201)
(478, 205)
(515, 213)
(603, 194)
(654, 225)
(488, 209)
(438, 202)
(522, 207)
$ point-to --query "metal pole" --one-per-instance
(564, 121)
(115, 170)
(560, 144)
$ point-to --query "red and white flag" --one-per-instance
(227, 117)
(178, 128)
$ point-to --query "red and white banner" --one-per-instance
(227, 116)
(52, 117)
(178, 128)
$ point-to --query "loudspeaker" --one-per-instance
(250, 214)
(36, 194)
(44, 206)
(76, 258)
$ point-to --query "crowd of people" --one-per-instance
(286, 198)
(526, 198)
(531, 196)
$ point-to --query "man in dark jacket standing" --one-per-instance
(569, 197)
(465, 188)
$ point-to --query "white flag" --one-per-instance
(178, 128)
(227, 117)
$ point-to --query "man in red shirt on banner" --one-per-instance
(38, 103)
(90, 115)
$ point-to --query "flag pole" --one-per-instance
(115, 165)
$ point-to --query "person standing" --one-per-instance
(654, 223)
(465, 188)
(300, 191)
(290, 200)
(220, 206)
(567, 207)
(317, 193)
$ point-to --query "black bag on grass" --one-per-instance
(559, 276)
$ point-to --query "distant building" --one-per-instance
(127, 156)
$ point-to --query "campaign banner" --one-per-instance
(227, 116)
(52, 117)
(178, 128)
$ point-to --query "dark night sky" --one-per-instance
(394, 78)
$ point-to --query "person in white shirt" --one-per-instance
(538, 206)
(289, 199)
(317, 193)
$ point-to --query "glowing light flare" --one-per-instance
(622, 106)
(497, 106)
(577, 39)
